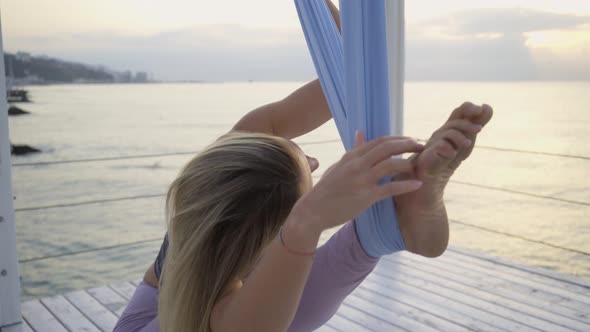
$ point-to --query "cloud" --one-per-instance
(504, 21)
(469, 59)
(472, 45)
(491, 45)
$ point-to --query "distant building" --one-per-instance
(23, 56)
(141, 77)
(28, 80)
(123, 77)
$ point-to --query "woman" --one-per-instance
(244, 221)
(250, 193)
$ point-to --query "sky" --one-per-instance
(236, 40)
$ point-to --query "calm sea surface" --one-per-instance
(524, 194)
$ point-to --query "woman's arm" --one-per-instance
(299, 113)
(268, 299)
(141, 313)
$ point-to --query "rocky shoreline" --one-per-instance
(15, 111)
(20, 149)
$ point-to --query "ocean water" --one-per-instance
(523, 194)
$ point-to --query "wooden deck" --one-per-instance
(460, 291)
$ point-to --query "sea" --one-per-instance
(90, 207)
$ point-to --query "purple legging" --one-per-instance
(339, 267)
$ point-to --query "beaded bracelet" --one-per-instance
(291, 251)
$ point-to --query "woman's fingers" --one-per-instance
(390, 148)
(389, 167)
(396, 188)
(361, 150)
(467, 127)
(359, 139)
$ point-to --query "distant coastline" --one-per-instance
(22, 68)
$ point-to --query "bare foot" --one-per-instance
(422, 214)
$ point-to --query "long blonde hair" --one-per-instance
(226, 205)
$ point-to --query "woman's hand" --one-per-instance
(350, 186)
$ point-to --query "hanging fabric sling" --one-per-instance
(358, 82)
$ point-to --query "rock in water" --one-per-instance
(18, 96)
(13, 110)
(19, 150)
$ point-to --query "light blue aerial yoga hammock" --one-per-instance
(353, 71)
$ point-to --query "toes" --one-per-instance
(485, 116)
(445, 150)
(466, 110)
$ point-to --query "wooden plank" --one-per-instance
(108, 298)
(386, 306)
(574, 297)
(10, 311)
(456, 311)
(478, 298)
(536, 276)
(326, 328)
(367, 320)
(125, 289)
(460, 302)
(561, 299)
(18, 327)
(346, 324)
(119, 312)
(398, 315)
(424, 308)
(556, 283)
(26, 326)
(91, 308)
(560, 279)
(23, 326)
(530, 306)
(39, 318)
(511, 290)
(68, 315)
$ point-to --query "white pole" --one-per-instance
(10, 314)
(396, 63)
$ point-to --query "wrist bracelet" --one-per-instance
(291, 251)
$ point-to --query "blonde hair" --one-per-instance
(226, 205)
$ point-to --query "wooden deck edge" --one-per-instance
(545, 272)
